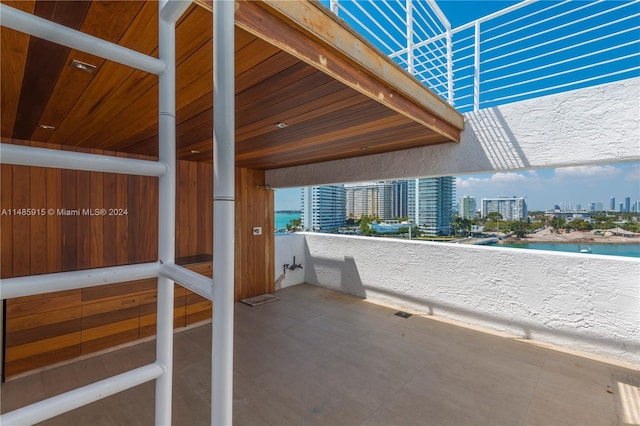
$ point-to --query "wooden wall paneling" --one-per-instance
(204, 207)
(254, 273)
(133, 213)
(21, 223)
(69, 228)
(54, 220)
(83, 195)
(38, 201)
(6, 221)
(110, 313)
(182, 209)
(193, 208)
(122, 221)
(96, 202)
(109, 222)
(197, 308)
(17, 44)
(148, 219)
(41, 330)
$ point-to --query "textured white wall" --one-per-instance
(595, 125)
(584, 302)
(288, 246)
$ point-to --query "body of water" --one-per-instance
(283, 218)
(629, 250)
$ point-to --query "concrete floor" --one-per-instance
(317, 357)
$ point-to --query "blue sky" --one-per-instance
(543, 188)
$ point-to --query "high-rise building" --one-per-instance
(598, 207)
(323, 208)
(627, 204)
(431, 204)
(399, 199)
(385, 199)
(467, 208)
(371, 198)
(621, 207)
(612, 204)
(511, 208)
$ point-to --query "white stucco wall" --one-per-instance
(589, 303)
(288, 246)
(595, 125)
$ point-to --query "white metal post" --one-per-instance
(223, 212)
(449, 66)
(333, 6)
(410, 55)
(476, 68)
(166, 214)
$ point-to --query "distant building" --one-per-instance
(621, 207)
(400, 199)
(511, 208)
(612, 204)
(385, 199)
(431, 204)
(467, 208)
(627, 204)
(323, 208)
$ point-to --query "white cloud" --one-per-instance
(588, 172)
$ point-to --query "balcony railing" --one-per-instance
(531, 49)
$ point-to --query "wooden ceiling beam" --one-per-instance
(312, 35)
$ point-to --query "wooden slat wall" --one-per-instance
(254, 253)
(45, 329)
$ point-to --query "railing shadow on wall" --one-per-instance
(490, 131)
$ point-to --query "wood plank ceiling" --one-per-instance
(330, 113)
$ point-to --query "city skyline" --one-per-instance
(543, 188)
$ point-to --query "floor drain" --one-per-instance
(402, 314)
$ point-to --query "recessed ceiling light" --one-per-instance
(47, 127)
(281, 125)
(82, 66)
(364, 148)
(193, 151)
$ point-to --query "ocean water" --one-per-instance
(283, 218)
(628, 250)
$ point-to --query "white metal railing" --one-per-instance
(164, 269)
(414, 33)
(530, 49)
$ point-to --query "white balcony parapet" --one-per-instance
(581, 302)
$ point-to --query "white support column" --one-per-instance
(476, 68)
(450, 66)
(410, 55)
(224, 212)
(166, 215)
